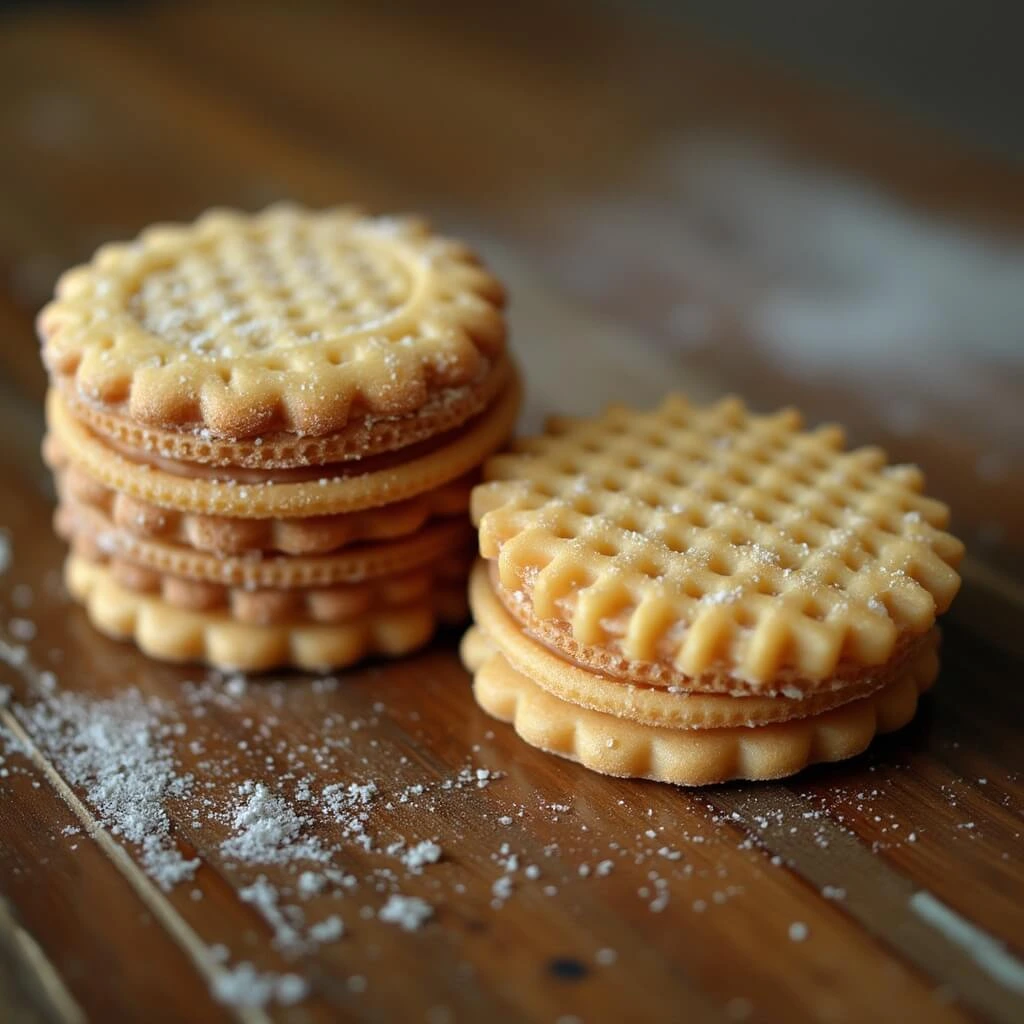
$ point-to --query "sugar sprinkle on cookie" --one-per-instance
(661, 579)
(264, 429)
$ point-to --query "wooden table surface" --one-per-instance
(608, 170)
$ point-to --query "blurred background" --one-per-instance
(811, 204)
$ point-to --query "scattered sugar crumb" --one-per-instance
(423, 853)
(409, 912)
(235, 686)
(244, 986)
(23, 630)
(328, 930)
(311, 883)
(502, 887)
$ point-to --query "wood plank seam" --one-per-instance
(991, 956)
(916, 937)
(155, 901)
(47, 978)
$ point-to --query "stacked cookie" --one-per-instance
(700, 594)
(264, 430)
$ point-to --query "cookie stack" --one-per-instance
(264, 431)
(694, 595)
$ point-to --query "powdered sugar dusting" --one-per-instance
(118, 751)
(329, 833)
(286, 838)
(268, 830)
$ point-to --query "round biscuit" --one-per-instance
(368, 436)
(223, 535)
(288, 320)
(92, 532)
(691, 757)
(179, 635)
(498, 637)
(330, 495)
(270, 606)
(711, 540)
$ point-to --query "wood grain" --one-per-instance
(112, 122)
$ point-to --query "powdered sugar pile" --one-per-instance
(118, 751)
(419, 856)
(268, 830)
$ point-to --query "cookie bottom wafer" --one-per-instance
(497, 631)
(93, 535)
(180, 635)
(687, 757)
(335, 604)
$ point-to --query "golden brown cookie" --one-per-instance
(618, 746)
(713, 549)
(497, 635)
(96, 537)
(223, 535)
(367, 436)
(274, 606)
(285, 322)
(175, 634)
(349, 486)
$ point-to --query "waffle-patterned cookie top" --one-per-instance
(288, 320)
(714, 540)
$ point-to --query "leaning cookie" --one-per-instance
(720, 594)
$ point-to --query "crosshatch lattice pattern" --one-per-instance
(716, 540)
(286, 319)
